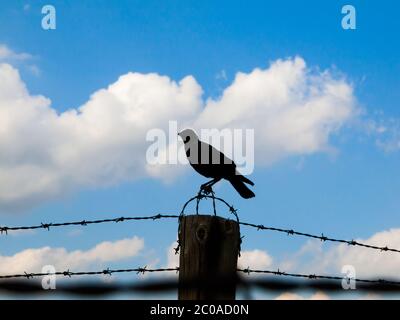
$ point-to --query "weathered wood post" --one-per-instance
(209, 248)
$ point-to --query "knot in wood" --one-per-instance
(201, 233)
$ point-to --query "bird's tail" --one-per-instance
(238, 183)
(245, 180)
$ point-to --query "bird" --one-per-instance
(212, 163)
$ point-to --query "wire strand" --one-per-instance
(5, 229)
(317, 277)
(68, 273)
(143, 270)
(322, 237)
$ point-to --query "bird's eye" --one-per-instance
(187, 139)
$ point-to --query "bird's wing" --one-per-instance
(213, 155)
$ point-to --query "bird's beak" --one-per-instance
(179, 134)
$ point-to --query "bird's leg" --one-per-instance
(207, 187)
(214, 181)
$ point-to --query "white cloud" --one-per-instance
(33, 260)
(292, 109)
(255, 259)
(368, 263)
(172, 258)
(172, 262)
(314, 258)
(388, 135)
(7, 54)
(45, 154)
(384, 130)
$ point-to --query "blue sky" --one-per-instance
(352, 194)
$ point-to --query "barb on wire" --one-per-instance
(208, 193)
(270, 284)
(47, 226)
(69, 274)
(205, 193)
(322, 237)
(318, 277)
(363, 284)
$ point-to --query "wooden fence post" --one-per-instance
(209, 248)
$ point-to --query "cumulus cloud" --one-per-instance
(293, 110)
(33, 260)
(44, 154)
(172, 258)
(312, 258)
(255, 259)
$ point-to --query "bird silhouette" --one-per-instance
(212, 163)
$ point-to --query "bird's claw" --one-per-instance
(206, 190)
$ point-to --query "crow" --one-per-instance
(211, 163)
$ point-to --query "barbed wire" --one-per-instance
(198, 198)
(143, 270)
(317, 277)
(208, 193)
(5, 229)
(67, 273)
(202, 194)
(322, 237)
